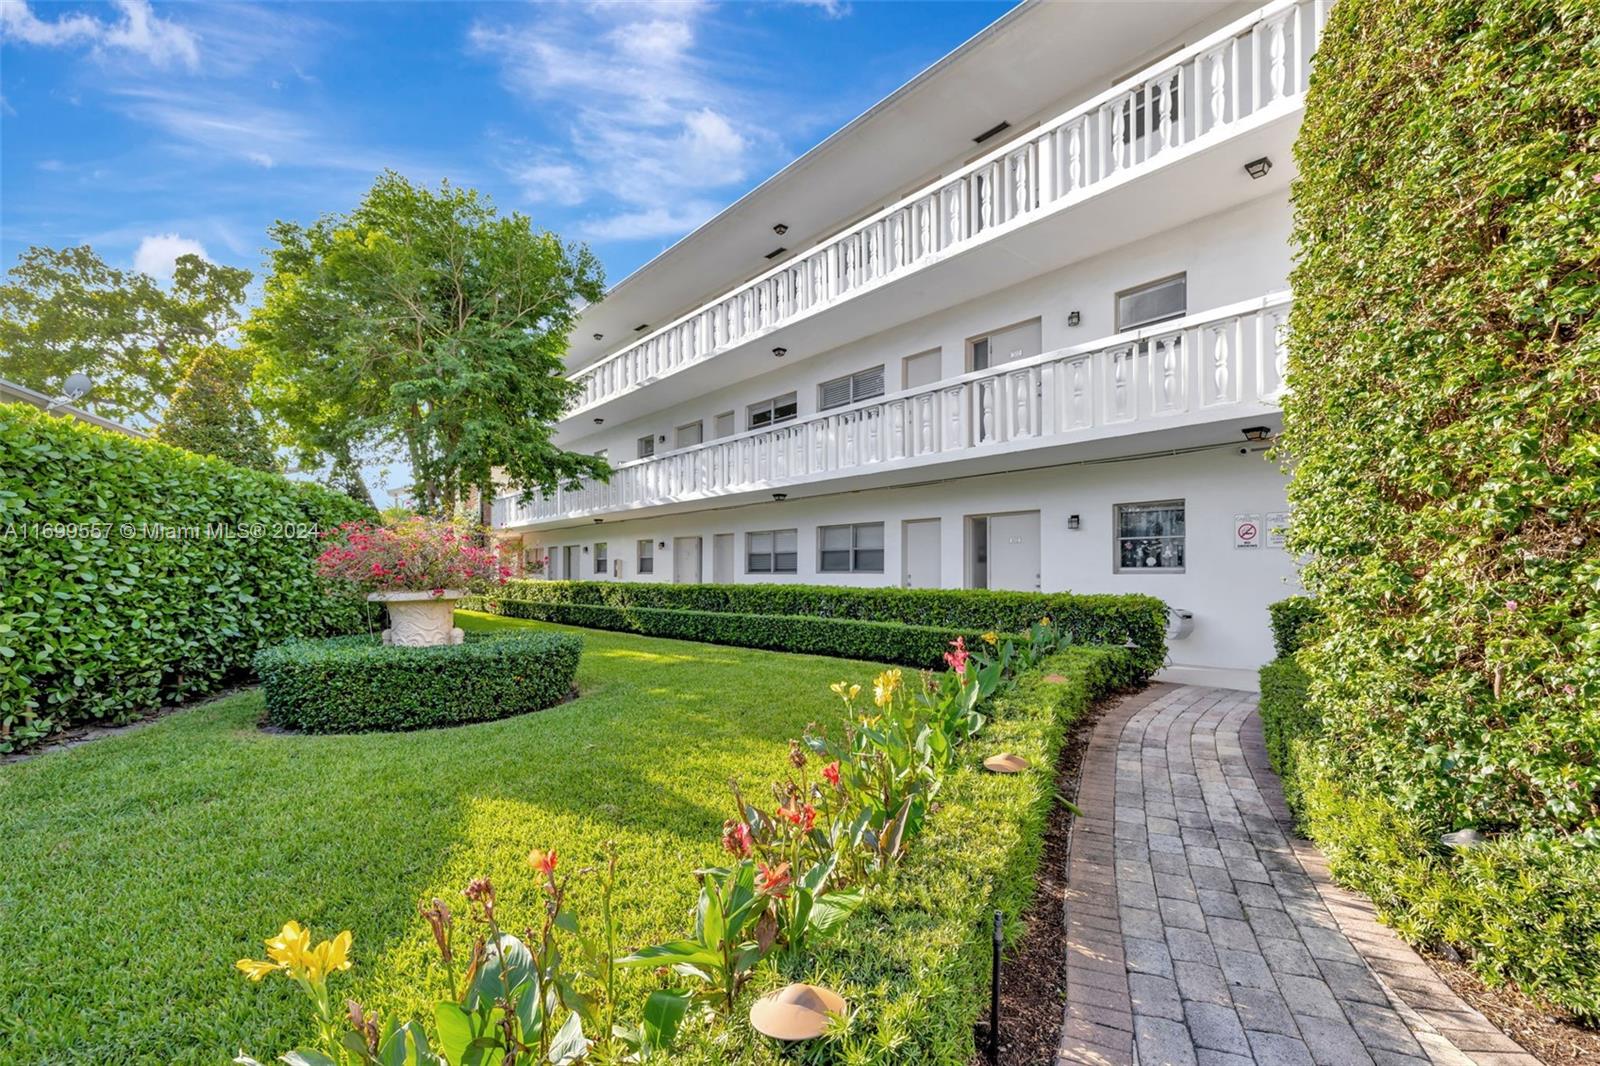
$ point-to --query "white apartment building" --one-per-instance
(1019, 326)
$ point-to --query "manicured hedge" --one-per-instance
(358, 685)
(914, 962)
(1101, 619)
(843, 638)
(115, 598)
(1293, 619)
(1444, 435)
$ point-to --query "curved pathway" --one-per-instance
(1201, 932)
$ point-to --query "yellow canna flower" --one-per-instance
(845, 691)
(255, 969)
(291, 948)
(333, 955)
(991, 638)
(1045, 620)
(883, 689)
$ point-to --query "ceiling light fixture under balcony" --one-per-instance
(641, 327)
(1257, 168)
(999, 127)
(775, 252)
(1256, 434)
(779, 497)
(780, 229)
(779, 353)
(599, 336)
(599, 421)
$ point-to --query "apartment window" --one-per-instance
(771, 412)
(647, 557)
(852, 388)
(772, 551)
(600, 557)
(690, 435)
(647, 445)
(1150, 537)
(724, 426)
(1154, 302)
(856, 549)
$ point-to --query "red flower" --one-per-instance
(831, 773)
(544, 862)
(957, 660)
(802, 815)
(774, 881)
(736, 838)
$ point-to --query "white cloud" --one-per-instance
(141, 32)
(654, 124)
(157, 255)
(833, 9)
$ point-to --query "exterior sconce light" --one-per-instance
(1073, 522)
(779, 497)
(780, 229)
(661, 439)
(1257, 168)
(1256, 434)
(586, 549)
(1074, 318)
(661, 544)
(779, 353)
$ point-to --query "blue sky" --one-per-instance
(148, 130)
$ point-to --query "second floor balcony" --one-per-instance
(1219, 365)
(1229, 88)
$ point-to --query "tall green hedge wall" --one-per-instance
(1444, 434)
(112, 602)
(1090, 619)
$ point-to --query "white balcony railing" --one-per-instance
(1215, 361)
(1196, 94)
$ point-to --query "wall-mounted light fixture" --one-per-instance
(1074, 318)
(1257, 168)
(661, 439)
(1256, 434)
(586, 549)
(1073, 522)
(780, 496)
(780, 229)
(661, 544)
(780, 352)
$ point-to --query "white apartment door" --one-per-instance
(919, 554)
(569, 563)
(1014, 551)
(722, 558)
(686, 560)
(1007, 346)
(921, 369)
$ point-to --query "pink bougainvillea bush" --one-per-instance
(416, 555)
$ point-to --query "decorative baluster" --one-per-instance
(1075, 157)
(1219, 361)
(1118, 135)
(1219, 86)
(1276, 50)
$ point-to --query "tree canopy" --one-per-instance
(425, 322)
(210, 412)
(66, 311)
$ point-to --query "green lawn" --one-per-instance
(134, 870)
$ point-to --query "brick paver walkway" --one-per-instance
(1200, 932)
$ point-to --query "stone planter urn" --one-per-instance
(420, 619)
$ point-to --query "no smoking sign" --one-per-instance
(1247, 531)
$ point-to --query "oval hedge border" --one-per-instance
(358, 685)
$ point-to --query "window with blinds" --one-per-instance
(856, 549)
(771, 412)
(772, 551)
(647, 445)
(647, 557)
(852, 388)
(1158, 301)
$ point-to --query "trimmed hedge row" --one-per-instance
(914, 962)
(1089, 619)
(357, 685)
(843, 638)
(133, 574)
(1524, 908)
(1293, 619)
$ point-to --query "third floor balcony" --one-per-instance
(1158, 148)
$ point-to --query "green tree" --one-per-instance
(425, 321)
(66, 311)
(210, 412)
